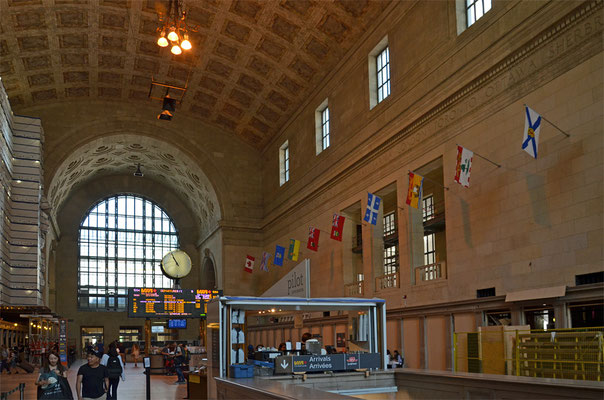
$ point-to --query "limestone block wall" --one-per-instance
(23, 224)
(531, 223)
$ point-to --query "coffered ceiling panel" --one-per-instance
(253, 61)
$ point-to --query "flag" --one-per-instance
(373, 207)
(279, 254)
(532, 126)
(464, 164)
(294, 249)
(415, 189)
(264, 263)
(249, 264)
(313, 238)
(337, 227)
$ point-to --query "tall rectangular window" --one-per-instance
(382, 64)
(390, 260)
(428, 208)
(429, 249)
(284, 163)
(325, 128)
(476, 9)
(322, 129)
(389, 224)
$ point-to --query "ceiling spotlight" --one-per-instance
(169, 104)
(176, 50)
(138, 171)
(165, 115)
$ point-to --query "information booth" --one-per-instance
(227, 339)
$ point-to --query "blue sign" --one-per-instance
(177, 324)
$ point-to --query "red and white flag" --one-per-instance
(464, 165)
(249, 264)
(313, 239)
(337, 226)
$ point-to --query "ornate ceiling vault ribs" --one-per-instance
(253, 61)
(159, 161)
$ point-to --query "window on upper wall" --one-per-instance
(284, 163)
(322, 127)
(475, 9)
(379, 73)
(383, 74)
(121, 243)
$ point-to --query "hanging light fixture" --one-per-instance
(174, 31)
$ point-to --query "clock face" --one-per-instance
(176, 264)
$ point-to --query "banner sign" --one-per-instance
(63, 341)
(328, 362)
(296, 283)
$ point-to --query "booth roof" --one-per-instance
(301, 303)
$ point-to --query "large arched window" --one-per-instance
(122, 240)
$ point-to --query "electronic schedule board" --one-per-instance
(169, 303)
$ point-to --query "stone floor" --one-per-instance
(133, 388)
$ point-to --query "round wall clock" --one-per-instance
(176, 264)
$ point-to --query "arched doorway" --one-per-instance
(208, 274)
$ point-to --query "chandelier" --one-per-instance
(174, 30)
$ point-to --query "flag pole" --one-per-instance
(483, 157)
(552, 124)
(438, 183)
(486, 159)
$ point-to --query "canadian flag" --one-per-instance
(249, 264)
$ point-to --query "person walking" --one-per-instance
(52, 382)
(115, 369)
(93, 379)
(4, 360)
(179, 362)
(136, 351)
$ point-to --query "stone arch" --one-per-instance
(207, 275)
(160, 161)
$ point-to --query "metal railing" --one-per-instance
(20, 387)
(387, 281)
(354, 289)
(576, 353)
(431, 272)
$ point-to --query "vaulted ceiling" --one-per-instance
(253, 63)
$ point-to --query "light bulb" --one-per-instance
(176, 50)
(186, 45)
(162, 42)
(173, 36)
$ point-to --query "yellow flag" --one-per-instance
(415, 189)
(294, 249)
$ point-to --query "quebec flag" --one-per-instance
(373, 207)
(532, 126)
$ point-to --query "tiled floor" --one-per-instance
(133, 388)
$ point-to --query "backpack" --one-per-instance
(114, 367)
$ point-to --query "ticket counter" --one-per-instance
(228, 341)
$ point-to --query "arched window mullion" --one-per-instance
(138, 257)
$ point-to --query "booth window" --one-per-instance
(122, 240)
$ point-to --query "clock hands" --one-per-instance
(172, 254)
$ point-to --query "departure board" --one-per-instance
(168, 303)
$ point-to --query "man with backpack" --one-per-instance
(115, 368)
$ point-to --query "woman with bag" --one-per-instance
(52, 382)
